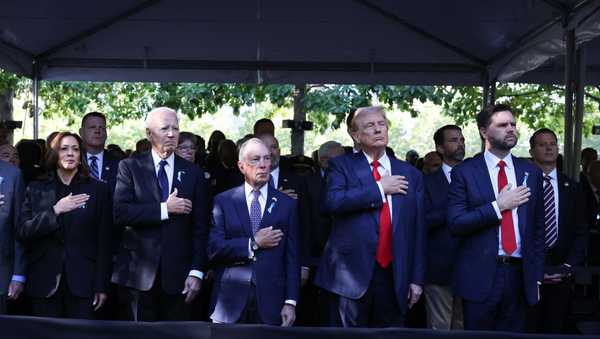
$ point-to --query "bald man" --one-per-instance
(161, 203)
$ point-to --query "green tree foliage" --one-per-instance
(538, 105)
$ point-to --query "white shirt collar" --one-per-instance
(553, 175)
(446, 169)
(492, 161)
(248, 190)
(384, 161)
(170, 160)
(98, 156)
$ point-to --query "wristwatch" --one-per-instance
(254, 245)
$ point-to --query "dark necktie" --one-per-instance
(271, 181)
(384, 243)
(509, 242)
(255, 215)
(94, 167)
(163, 181)
(550, 213)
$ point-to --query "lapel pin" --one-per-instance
(525, 179)
(566, 184)
(107, 168)
(273, 201)
(179, 174)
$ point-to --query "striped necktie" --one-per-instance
(550, 222)
(94, 167)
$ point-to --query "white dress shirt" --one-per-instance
(492, 165)
(447, 171)
(100, 158)
(385, 168)
(262, 200)
(164, 213)
(275, 176)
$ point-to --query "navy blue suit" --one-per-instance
(441, 245)
(472, 217)
(354, 200)
(276, 270)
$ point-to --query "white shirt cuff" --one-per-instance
(291, 302)
(497, 209)
(19, 278)
(197, 274)
(381, 191)
(305, 268)
(164, 213)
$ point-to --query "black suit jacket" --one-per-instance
(76, 243)
(441, 245)
(110, 166)
(176, 245)
(290, 180)
(572, 227)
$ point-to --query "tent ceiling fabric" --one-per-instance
(270, 41)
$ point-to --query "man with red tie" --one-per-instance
(373, 262)
(496, 208)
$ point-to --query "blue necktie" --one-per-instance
(163, 182)
(94, 167)
(255, 215)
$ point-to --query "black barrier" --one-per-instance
(31, 327)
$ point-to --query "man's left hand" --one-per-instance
(191, 288)
(99, 300)
(414, 293)
(288, 315)
(14, 289)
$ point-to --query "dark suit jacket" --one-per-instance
(320, 221)
(110, 166)
(471, 217)
(572, 227)
(12, 253)
(76, 243)
(354, 200)
(290, 180)
(176, 245)
(441, 245)
(276, 270)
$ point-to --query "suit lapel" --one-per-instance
(562, 195)
(482, 177)
(398, 200)
(268, 217)
(149, 172)
(179, 174)
(521, 210)
(239, 201)
(362, 169)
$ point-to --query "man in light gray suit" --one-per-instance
(12, 254)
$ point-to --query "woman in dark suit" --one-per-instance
(67, 235)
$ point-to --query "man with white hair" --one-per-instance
(253, 244)
(161, 203)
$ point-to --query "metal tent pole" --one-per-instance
(36, 107)
(579, 110)
(568, 144)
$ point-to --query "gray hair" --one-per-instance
(150, 115)
(246, 144)
(328, 146)
(367, 109)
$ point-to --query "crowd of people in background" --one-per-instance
(232, 231)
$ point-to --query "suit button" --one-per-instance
(372, 205)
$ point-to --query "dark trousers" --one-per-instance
(378, 307)
(63, 304)
(505, 308)
(550, 314)
(312, 309)
(250, 314)
(2, 303)
(156, 305)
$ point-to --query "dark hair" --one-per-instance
(185, 136)
(439, 135)
(52, 157)
(213, 141)
(538, 132)
(262, 121)
(484, 118)
(589, 151)
(92, 114)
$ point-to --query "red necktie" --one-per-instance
(509, 243)
(384, 244)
